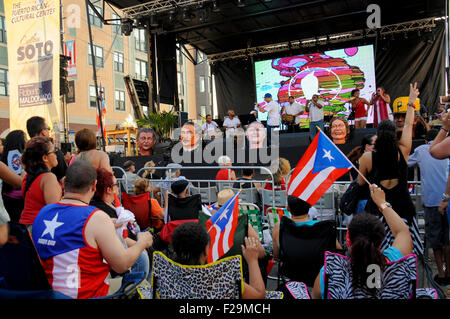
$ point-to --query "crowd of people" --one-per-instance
(82, 219)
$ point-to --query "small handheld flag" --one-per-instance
(321, 165)
(221, 227)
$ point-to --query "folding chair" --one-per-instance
(277, 200)
(222, 279)
(141, 207)
(248, 195)
(208, 194)
(398, 280)
(302, 249)
(224, 185)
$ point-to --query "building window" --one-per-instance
(118, 62)
(116, 24)
(2, 30)
(180, 57)
(180, 84)
(141, 69)
(93, 98)
(3, 82)
(140, 39)
(93, 18)
(98, 55)
(202, 84)
(119, 100)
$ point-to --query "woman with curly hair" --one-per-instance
(40, 186)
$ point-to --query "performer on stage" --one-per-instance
(315, 110)
(273, 119)
(209, 128)
(231, 124)
(360, 110)
(294, 110)
(380, 102)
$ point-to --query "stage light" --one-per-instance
(267, 0)
(127, 27)
(240, 3)
(153, 20)
(405, 35)
(172, 15)
(215, 6)
(187, 16)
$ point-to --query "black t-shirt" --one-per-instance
(60, 169)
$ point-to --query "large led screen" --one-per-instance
(331, 74)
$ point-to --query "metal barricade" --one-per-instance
(196, 182)
(123, 181)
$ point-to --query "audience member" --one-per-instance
(4, 219)
(86, 142)
(181, 206)
(433, 177)
(37, 126)
(190, 243)
(13, 148)
(87, 244)
(285, 167)
(387, 167)
(107, 188)
(173, 173)
(292, 253)
(131, 177)
(367, 145)
(440, 148)
(278, 179)
(143, 186)
(225, 174)
(247, 174)
(365, 235)
(146, 138)
(40, 186)
(150, 173)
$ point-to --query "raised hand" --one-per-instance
(413, 93)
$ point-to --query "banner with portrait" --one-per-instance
(33, 30)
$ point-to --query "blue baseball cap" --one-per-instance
(267, 95)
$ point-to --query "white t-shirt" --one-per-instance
(273, 110)
(209, 126)
(315, 113)
(293, 109)
(231, 124)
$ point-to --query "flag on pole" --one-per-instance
(321, 165)
(103, 112)
(221, 227)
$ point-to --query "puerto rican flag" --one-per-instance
(321, 165)
(221, 227)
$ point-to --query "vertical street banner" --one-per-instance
(33, 30)
(69, 50)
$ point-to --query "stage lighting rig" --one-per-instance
(240, 3)
(127, 26)
(215, 6)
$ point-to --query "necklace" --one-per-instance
(68, 198)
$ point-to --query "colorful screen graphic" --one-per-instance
(331, 74)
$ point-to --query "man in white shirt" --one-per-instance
(295, 109)
(273, 119)
(231, 124)
(315, 110)
(209, 128)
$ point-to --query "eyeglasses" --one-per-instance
(52, 152)
(47, 128)
(115, 184)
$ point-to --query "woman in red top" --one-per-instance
(360, 110)
(40, 186)
(225, 174)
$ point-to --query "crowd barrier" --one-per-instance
(327, 207)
